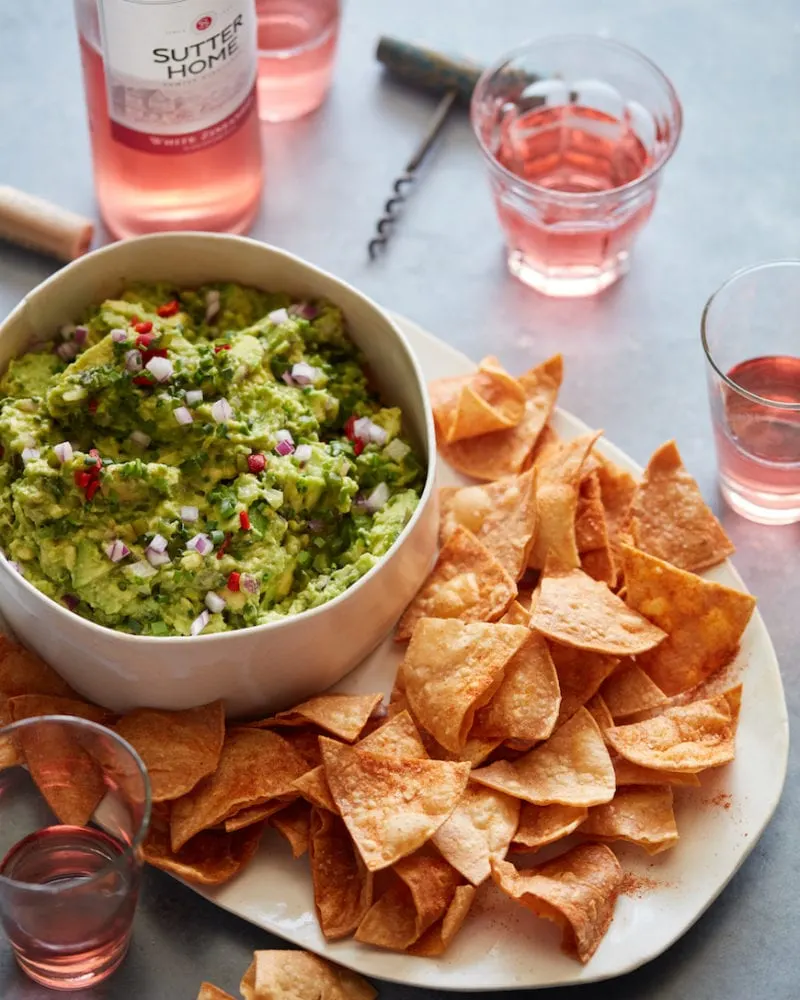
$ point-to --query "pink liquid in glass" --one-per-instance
(83, 937)
(759, 445)
(297, 46)
(576, 150)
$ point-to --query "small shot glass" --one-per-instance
(576, 131)
(74, 811)
(750, 338)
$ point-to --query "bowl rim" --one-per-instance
(111, 250)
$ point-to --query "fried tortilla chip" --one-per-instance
(507, 453)
(23, 672)
(467, 583)
(590, 516)
(557, 489)
(436, 940)
(342, 884)
(298, 975)
(452, 668)
(26, 706)
(178, 748)
(255, 767)
(572, 768)
(525, 706)
(704, 621)
(577, 890)
(305, 742)
(669, 518)
(210, 992)
(576, 610)
(342, 715)
(627, 773)
(469, 405)
(542, 825)
(601, 715)
(617, 488)
(629, 690)
(641, 816)
(391, 805)
(9, 753)
(252, 814)
(293, 823)
(419, 896)
(516, 615)
(210, 858)
(480, 828)
(687, 738)
(580, 676)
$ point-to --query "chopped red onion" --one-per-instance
(287, 377)
(67, 350)
(158, 544)
(316, 526)
(397, 450)
(278, 316)
(249, 583)
(215, 603)
(304, 310)
(304, 374)
(194, 396)
(64, 452)
(119, 336)
(160, 369)
(368, 431)
(201, 544)
(157, 558)
(303, 452)
(81, 333)
(284, 448)
(140, 438)
(284, 435)
(221, 410)
(212, 305)
(183, 416)
(200, 623)
(133, 361)
(29, 455)
(71, 601)
(67, 331)
(189, 514)
(378, 497)
(360, 505)
(117, 550)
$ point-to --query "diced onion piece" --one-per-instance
(396, 450)
(378, 497)
(194, 396)
(249, 583)
(201, 544)
(67, 331)
(133, 360)
(304, 374)
(119, 336)
(189, 514)
(221, 410)
(71, 601)
(29, 455)
(158, 544)
(200, 623)
(369, 432)
(157, 558)
(64, 452)
(81, 333)
(212, 305)
(183, 415)
(303, 452)
(140, 438)
(278, 316)
(287, 377)
(215, 603)
(284, 448)
(284, 435)
(117, 550)
(67, 350)
(304, 310)
(160, 369)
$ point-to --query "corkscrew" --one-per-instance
(431, 71)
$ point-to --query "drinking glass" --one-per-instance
(74, 809)
(296, 50)
(750, 336)
(576, 131)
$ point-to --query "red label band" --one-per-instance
(189, 142)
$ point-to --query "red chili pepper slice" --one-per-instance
(233, 581)
(244, 520)
(169, 308)
(82, 478)
(349, 428)
(95, 454)
(256, 463)
(221, 347)
(225, 543)
(358, 447)
(142, 380)
(134, 320)
(92, 406)
(92, 488)
(155, 352)
(145, 327)
(144, 339)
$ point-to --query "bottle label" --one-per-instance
(181, 74)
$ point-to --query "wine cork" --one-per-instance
(40, 225)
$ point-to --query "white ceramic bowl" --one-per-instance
(266, 667)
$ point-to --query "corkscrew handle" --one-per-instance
(427, 70)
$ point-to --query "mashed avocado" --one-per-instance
(189, 461)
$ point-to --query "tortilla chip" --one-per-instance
(629, 690)
(178, 748)
(526, 705)
(342, 885)
(577, 890)
(9, 753)
(23, 672)
(542, 825)
(342, 715)
(467, 583)
(209, 858)
(210, 992)
(627, 773)
(670, 520)
(516, 615)
(27, 706)
(507, 453)
(557, 489)
(704, 621)
(580, 676)
(480, 828)
(617, 489)
(255, 767)
(298, 975)
(599, 565)
(304, 742)
(391, 805)
(451, 669)
(576, 610)
(250, 815)
(687, 738)
(436, 940)
(590, 516)
(293, 824)
(469, 405)
(641, 816)
(601, 715)
(419, 896)
(572, 768)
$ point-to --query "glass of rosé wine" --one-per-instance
(74, 810)
(576, 131)
(750, 337)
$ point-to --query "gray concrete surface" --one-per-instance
(634, 362)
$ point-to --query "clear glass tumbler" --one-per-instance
(296, 52)
(74, 810)
(750, 336)
(575, 131)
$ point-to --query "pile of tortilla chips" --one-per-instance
(557, 681)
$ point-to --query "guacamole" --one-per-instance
(188, 461)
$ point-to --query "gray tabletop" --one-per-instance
(633, 357)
